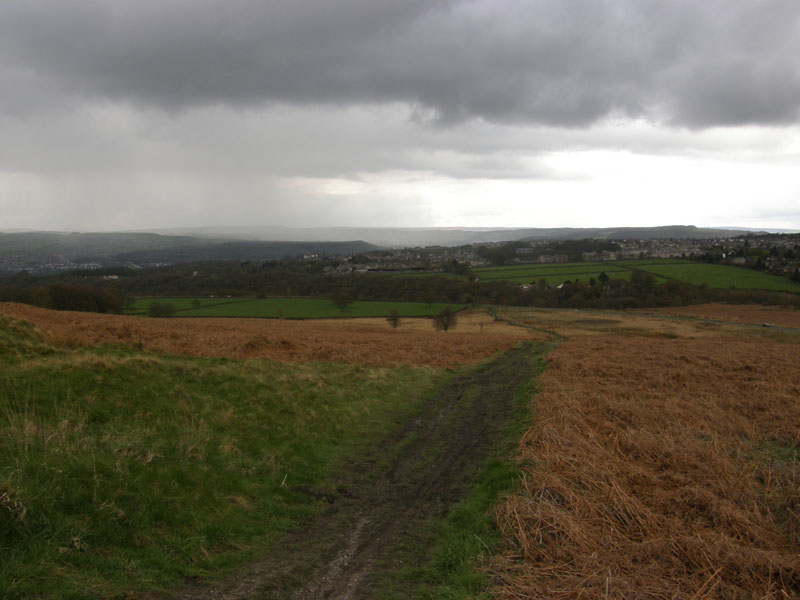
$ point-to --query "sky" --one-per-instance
(399, 113)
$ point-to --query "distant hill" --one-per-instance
(56, 251)
(49, 251)
(245, 251)
(398, 237)
(75, 245)
(633, 233)
(395, 237)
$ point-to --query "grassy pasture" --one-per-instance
(720, 276)
(141, 305)
(290, 308)
(416, 274)
(714, 276)
(489, 272)
(644, 262)
(554, 274)
(123, 472)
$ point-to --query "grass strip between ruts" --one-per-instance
(448, 562)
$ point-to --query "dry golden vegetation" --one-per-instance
(366, 341)
(718, 319)
(663, 457)
(658, 468)
(774, 315)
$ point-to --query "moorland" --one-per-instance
(534, 452)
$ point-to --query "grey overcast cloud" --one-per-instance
(421, 113)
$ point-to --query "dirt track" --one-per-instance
(380, 500)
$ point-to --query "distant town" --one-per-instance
(775, 253)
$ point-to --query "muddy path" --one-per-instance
(379, 502)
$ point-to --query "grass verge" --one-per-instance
(125, 472)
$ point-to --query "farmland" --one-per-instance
(717, 276)
(553, 274)
(713, 276)
(289, 308)
(280, 291)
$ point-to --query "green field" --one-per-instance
(180, 304)
(714, 276)
(644, 262)
(554, 274)
(720, 276)
(422, 274)
(289, 308)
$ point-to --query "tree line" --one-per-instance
(66, 296)
(290, 278)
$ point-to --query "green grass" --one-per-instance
(721, 276)
(141, 305)
(714, 276)
(553, 273)
(123, 472)
(643, 262)
(20, 340)
(462, 542)
(290, 308)
(559, 278)
(770, 452)
(445, 274)
(545, 268)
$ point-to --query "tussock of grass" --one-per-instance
(20, 339)
(122, 472)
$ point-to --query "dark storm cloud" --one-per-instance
(555, 62)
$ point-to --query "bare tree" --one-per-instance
(161, 309)
(445, 320)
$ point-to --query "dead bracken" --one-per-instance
(773, 315)
(364, 341)
(658, 468)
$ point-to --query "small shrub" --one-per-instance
(342, 299)
(161, 310)
(394, 318)
(445, 320)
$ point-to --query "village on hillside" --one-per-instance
(776, 253)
